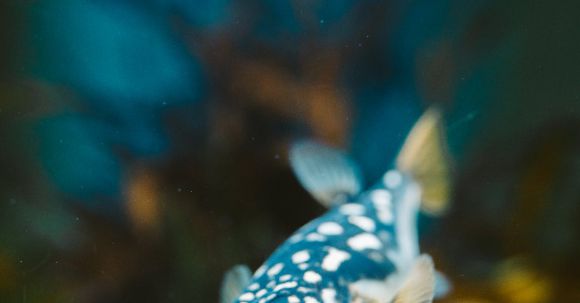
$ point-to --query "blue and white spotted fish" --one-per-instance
(364, 248)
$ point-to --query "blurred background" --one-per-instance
(143, 144)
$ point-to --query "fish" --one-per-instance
(365, 248)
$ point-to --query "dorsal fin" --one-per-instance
(419, 285)
(325, 173)
(234, 282)
(424, 156)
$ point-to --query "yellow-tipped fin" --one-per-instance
(419, 286)
(424, 156)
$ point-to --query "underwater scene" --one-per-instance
(289, 151)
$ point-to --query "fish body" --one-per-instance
(363, 249)
(362, 239)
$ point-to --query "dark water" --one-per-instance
(143, 144)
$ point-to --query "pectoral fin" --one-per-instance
(416, 286)
(234, 282)
(324, 172)
(370, 291)
(374, 291)
(419, 285)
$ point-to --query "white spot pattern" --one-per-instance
(371, 238)
(293, 299)
(328, 295)
(314, 237)
(260, 271)
(381, 199)
(334, 259)
(362, 222)
(330, 229)
(300, 257)
(386, 216)
(276, 269)
(247, 296)
(312, 277)
(286, 285)
(392, 179)
(296, 238)
(310, 300)
(352, 209)
(261, 293)
(364, 241)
